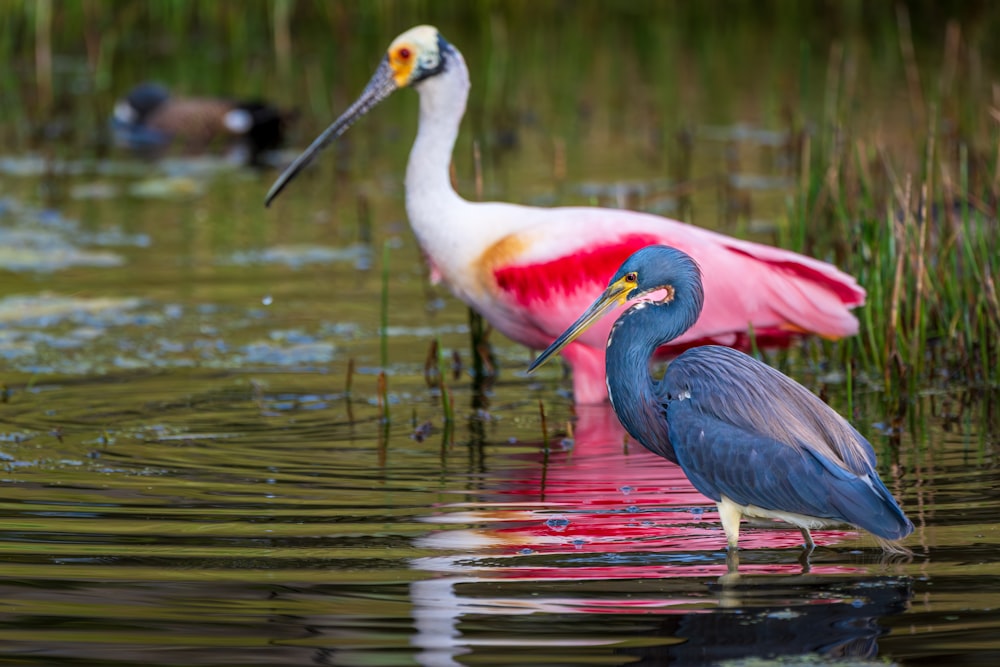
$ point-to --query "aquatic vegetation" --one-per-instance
(299, 255)
(915, 220)
(43, 240)
(51, 334)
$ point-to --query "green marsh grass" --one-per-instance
(382, 397)
(349, 378)
(916, 223)
(447, 402)
(435, 372)
(348, 387)
(383, 330)
(383, 381)
(546, 449)
(432, 365)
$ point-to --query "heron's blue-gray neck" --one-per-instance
(634, 338)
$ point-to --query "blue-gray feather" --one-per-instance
(756, 469)
(755, 397)
(736, 426)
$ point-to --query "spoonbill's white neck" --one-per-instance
(429, 193)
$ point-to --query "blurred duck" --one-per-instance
(151, 122)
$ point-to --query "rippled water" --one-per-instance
(197, 468)
(237, 517)
(189, 480)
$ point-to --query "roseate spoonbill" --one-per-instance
(149, 121)
(529, 270)
(747, 436)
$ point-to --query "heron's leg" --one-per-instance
(807, 536)
(729, 515)
(805, 562)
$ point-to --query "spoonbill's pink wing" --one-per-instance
(543, 278)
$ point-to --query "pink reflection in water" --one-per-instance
(592, 513)
(601, 498)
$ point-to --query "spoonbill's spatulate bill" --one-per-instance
(747, 436)
(530, 270)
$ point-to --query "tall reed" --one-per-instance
(383, 382)
(917, 225)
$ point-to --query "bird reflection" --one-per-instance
(767, 616)
(681, 620)
(622, 535)
(599, 494)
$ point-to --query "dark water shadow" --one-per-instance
(772, 616)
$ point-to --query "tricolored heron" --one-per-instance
(150, 122)
(530, 270)
(747, 436)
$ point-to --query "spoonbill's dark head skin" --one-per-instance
(530, 270)
(747, 436)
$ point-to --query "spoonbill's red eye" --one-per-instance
(404, 53)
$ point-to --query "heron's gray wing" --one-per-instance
(754, 469)
(742, 429)
(739, 390)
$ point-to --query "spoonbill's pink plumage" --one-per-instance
(530, 271)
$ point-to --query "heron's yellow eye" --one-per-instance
(631, 277)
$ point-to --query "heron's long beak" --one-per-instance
(616, 294)
(379, 87)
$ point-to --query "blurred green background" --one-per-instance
(825, 127)
(658, 64)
